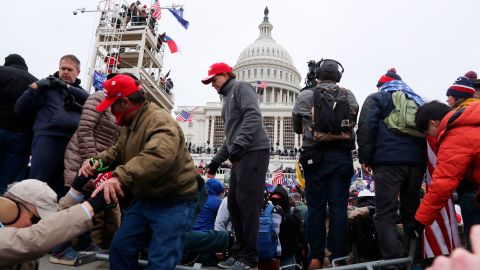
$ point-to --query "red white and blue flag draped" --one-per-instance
(442, 236)
(184, 116)
(156, 10)
(277, 177)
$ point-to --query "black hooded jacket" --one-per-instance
(14, 80)
(291, 222)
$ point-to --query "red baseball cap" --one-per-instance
(115, 88)
(215, 69)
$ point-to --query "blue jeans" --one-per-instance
(160, 227)
(328, 182)
(14, 154)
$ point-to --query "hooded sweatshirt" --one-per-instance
(206, 219)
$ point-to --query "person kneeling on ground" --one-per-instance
(30, 225)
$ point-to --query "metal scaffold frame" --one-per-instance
(134, 48)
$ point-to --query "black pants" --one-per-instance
(389, 182)
(245, 201)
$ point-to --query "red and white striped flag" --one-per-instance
(277, 178)
(156, 10)
(442, 236)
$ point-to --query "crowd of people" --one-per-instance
(128, 185)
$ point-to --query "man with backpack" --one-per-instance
(387, 143)
(328, 139)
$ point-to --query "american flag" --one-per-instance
(184, 116)
(277, 177)
(157, 11)
(442, 236)
(261, 84)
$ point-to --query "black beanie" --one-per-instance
(13, 59)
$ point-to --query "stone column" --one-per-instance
(281, 95)
(281, 132)
(275, 131)
(265, 95)
(212, 129)
(207, 122)
(273, 95)
(296, 141)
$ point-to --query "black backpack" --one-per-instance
(331, 117)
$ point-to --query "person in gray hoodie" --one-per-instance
(247, 146)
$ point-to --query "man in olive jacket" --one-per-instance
(153, 162)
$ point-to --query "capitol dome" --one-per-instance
(267, 61)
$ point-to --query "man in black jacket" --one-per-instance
(15, 132)
(56, 103)
(397, 160)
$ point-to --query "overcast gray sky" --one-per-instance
(429, 42)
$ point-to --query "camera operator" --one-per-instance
(56, 104)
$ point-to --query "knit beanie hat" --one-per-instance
(461, 88)
(391, 75)
(15, 59)
(472, 75)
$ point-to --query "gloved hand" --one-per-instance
(236, 153)
(43, 84)
(79, 182)
(57, 83)
(278, 209)
(414, 230)
(213, 167)
(98, 203)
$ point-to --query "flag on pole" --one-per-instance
(171, 44)
(184, 116)
(441, 237)
(178, 14)
(156, 10)
(261, 84)
(98, 79)
(277, 177)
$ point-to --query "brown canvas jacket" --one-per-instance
(154, 161)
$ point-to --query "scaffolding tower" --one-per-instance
(126, 42)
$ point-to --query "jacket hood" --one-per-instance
(76, 83)
(282, 192)
(465, 116)
(214, 187)
(15, 60)
(328, 85)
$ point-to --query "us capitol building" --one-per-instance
(264, 61)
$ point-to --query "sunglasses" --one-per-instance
(34, 219)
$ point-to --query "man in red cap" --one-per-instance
(152, 161)
(247, 146)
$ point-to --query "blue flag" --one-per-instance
(98, 79)
(178, 14)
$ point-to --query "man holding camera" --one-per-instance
(56, 103)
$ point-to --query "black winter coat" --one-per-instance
(290, 225)
(377, 145)
(14, 80)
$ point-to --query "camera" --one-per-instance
(310, 79)
(75, 12)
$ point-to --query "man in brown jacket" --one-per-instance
(152, 162)
(30, 225)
